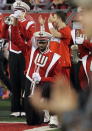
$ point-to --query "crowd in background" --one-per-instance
(40, 4)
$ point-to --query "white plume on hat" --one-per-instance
(18, 4)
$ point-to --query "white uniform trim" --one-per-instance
(29, 24)
(73, 35)
(84, 62)
(17, 52)
(55, 39)
(54, 60)
(11, 50)
(39, 57)
(91, 66)
(30, 63)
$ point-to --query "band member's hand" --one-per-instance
(14, 21)
(74, 54)
(11, 20)
(36, 77)
(80, 39)
(41, 20)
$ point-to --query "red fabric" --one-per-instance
(82, 75)
(64, 45)
(1, 24)
(55, 69)
(66, 35)
(25, 33)
(89, 66)
(17, 126)
(62, 48)
(82, 78)
(1, 29)
(54, 46)
(85, 48)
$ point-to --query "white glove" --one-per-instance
(17, 14)
(36, 77)
(79, 40)
(9, 20)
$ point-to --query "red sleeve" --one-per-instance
(18, 41)
(5, 33)
(85, 48)
(87, 44)
(50, 79)
(30, 31)
(65, 32)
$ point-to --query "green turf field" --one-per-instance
(5, 112)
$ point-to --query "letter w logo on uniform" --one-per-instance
(40, 60)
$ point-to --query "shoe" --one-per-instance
(46, 116)
(15, 114)
(53, 122)
(23, 114)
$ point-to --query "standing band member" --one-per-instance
(26, 27)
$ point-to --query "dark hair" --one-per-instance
(62, 15)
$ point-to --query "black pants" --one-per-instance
(16, 66)
(75, 76)
(83, 94)
(33, 116)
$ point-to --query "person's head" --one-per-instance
(60, 16)
(85, 15)
(42, 40)
(42, 44)
(21, 6)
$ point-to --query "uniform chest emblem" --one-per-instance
(40, 60)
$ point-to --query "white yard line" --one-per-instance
(43, 128)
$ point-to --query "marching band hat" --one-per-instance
(20, 5)
(42, 36)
